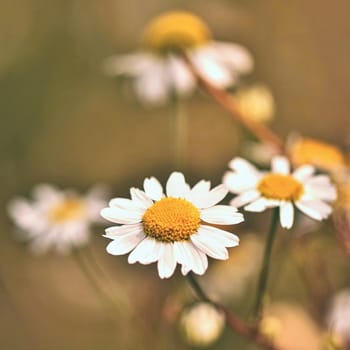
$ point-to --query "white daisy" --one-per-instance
(169, 229)
(259, 190)
(54, 219)
(158, 69)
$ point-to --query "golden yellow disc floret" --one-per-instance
(68, 209)
(320, 154)
(280, 187)
(171, 219)
(175, 31)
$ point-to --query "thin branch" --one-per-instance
(226, 101)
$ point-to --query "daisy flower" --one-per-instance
(258, 190)
(171, 228)
(57, 220)
(159, 71)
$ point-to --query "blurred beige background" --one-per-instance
(63, 122)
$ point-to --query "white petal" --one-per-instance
(146, 252)
(238, 182)
(199, 188)
(316, 209)
(176, 186)
(225, 238)
(323, 192)
(166, 261)
(209, 246)
(303, 172)
(153, 188)
(280, 165)
(140, 198)
(129, 64)
(211, 69)
(245, 198)
(182, 78)
(152, 85)
(120, 216)
(286, 214)
(234, 56)
(125, 243)
(117, 231)
(222, 215)
(126, 204)
(209, 199)
(190, 257)
(261, 204)
(240, 165)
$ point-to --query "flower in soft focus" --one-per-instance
(322, 155)
(169, 229)
(159, 70)
(338, 319)
(54, 219)
(258, 190)
(256, 102)
(290, 327)
(201, 324)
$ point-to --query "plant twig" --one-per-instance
(226, 101)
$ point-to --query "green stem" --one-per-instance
(264, 273)
(179, 126)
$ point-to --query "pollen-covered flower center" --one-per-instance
(68, 209)
(171, 219)
(280, 187)
(174, 31)
(320, 154)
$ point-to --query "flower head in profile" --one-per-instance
(172, 228)
(158, 69)
(322, 155)
(256, 102)
(57, 220)
(257, 190)
(202, 324)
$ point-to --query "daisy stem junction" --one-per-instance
(265, 267)
(260, 131)
(232, 321)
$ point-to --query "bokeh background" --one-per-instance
(64, 122)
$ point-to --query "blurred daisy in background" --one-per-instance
(169, 229)
(159, 71)
(258, 190)
(322, 155)
(55, 219)
(201, 324)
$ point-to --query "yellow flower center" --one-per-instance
(175, 31)
(280, 187)
(320, 154)
(171, 219)
(69, 209)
